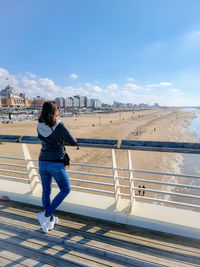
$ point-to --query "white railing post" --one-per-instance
(32, 174)
(115, 181)
(131, 182)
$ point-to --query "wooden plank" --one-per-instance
(5, 263)
(138, 234)
(105, 238)
(39, 256)
(51, 248)
(135, 247)
(141, 240)
(129, 243)
(105, 227)
(16, 258)
(92, 263)
(134, 259)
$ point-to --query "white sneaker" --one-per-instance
(43, 221)
(52, 223)
(55, 220)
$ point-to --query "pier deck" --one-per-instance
(83, 241)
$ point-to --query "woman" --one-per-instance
(53, 135)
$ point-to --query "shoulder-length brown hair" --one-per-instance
(48, 114)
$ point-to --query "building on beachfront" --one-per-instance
(88, 103)
(128, 105)
(76, 102)
(69, 102)
(118, 104)
(83, 101)
(37, 103)
(80, 101)
(11, 98)
(60, 102)
(96, 103)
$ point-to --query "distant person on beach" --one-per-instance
(139, 189)
(53, 134)
(143, 192)
(9, 116)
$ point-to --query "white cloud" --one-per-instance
(130, 79)
(94, 88)
(161, 84)
(97, 89)
(112, 86)
(28, 83)
(31, 75)
(165, 84)
(175, 90)
(73, 76)
(45, 82)
(132, 86)
(7, 78)
(4, 73)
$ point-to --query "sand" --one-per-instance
(157, 125)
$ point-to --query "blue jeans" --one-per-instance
(47, 171)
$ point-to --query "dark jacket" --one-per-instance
(53, 140)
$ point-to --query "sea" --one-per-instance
(191, 162)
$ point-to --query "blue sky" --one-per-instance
(115, 50)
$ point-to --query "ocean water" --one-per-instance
(190, 165)
(191, 162)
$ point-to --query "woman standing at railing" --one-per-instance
(53, 134)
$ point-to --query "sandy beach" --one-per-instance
(157, 125)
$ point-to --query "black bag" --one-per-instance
(66, 159)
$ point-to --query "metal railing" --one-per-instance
(118, 186)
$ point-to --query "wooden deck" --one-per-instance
(82, 241)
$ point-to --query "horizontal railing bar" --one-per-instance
(165, 192)
(134, 170)
(159, 146)
(88, 189)
(167, 174)
(168, 201)
(83, 165)
(120, 177)
(91, 174)
(164, 183)
(13, 165)
(13, 178)
(84, 173)
(12, 158)
(3, 170)
(90, 182)
(92, 166)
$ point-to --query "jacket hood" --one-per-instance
(45, 130)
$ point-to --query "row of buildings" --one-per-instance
(78, 102)
(9, 97)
